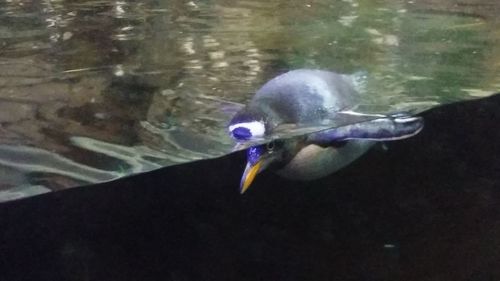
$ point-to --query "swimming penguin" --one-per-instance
(311, 97)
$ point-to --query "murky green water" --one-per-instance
(95, 90)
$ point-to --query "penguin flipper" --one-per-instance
(389, 127)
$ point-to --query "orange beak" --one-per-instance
(249, 175)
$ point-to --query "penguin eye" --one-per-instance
(274, 145)
(270, 146)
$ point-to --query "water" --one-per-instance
(92, 91)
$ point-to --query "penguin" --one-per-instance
(305, 97)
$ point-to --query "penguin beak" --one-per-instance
(249, 175)
(258, 159)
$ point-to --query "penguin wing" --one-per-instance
(388, 127)
(342, 122)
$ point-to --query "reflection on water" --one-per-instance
(95, 90)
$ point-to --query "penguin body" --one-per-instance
(302, 97)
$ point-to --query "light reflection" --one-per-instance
(188, 46)
(119, 9)
(30, 159)
(154, 83)
(118, 71)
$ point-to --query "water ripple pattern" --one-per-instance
(91, 91)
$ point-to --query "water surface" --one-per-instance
(91, 91)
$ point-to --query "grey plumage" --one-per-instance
(309, 97)
(301, 96)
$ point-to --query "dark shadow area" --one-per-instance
(428, 208)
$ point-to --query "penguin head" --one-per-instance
(273, 155)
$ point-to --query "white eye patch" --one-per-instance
(247, 130)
